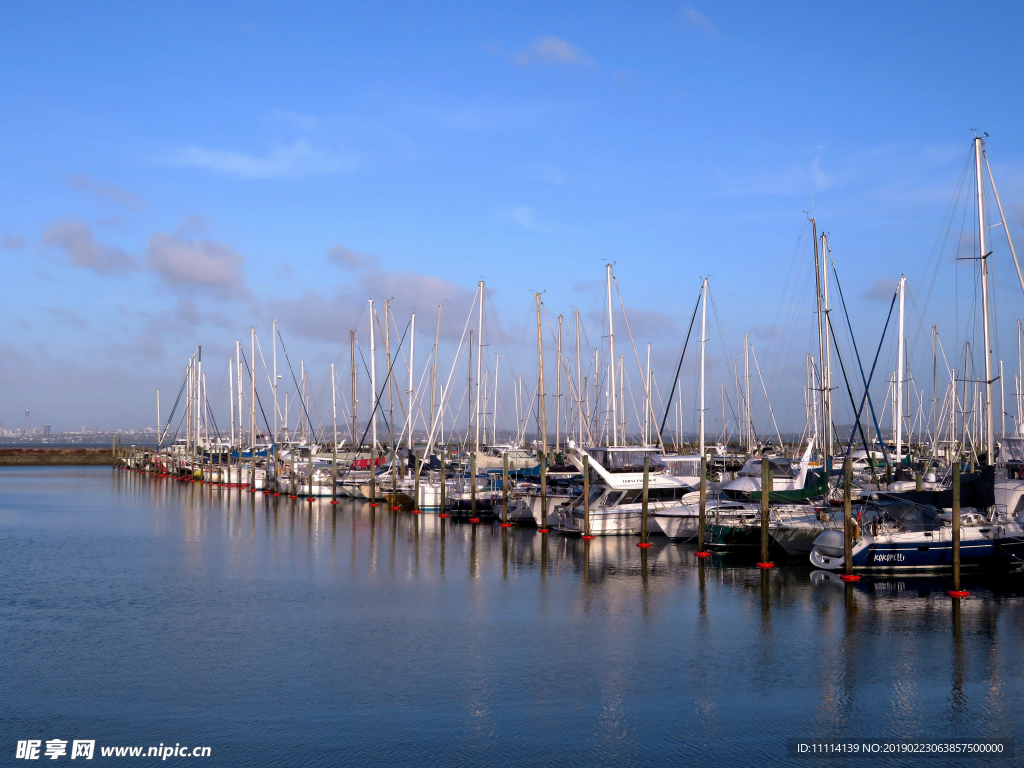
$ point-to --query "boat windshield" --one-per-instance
(780, 468)
(683, 467)
(627, 461)
(595, 494)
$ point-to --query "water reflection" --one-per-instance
(443, 638)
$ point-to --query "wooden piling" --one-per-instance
(394, 479)
(766, 485)
(586, 498)
(472, 486)
(334, 474)
(504, 490)
(955, 523)
(543, 492)
(443, 483)
(309, 470)
(417, 468)
(373, 476)
(644, 543)
(702, 510)
(848, 574)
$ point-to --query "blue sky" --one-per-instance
(173, 174)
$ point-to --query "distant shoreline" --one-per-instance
(55, 457)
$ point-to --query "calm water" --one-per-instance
(280, 632)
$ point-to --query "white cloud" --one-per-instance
(76, 239)
(298, 159)
(197, 264)
(553, 50)
(522, 216)
(109, 192)
(883, 289)
(691, 17)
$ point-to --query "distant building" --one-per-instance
(46, 429)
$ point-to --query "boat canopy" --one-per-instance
(627, 459)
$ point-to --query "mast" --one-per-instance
(647, 402)
(479, 363)
(540, 381)
(622, 396)
(821, 333)
(231, 399)
(303, 401)
(433, 369)
(252, 403)
(611, 358)
(1020, 381)
(494, 414)
(898, 400)
(826, 378)
(935, 393)
(334, 405)
(558, 388)
(579, 381)
(390, 381)
(748, 422)
(274, 323)
(355, 400)
(412, 384)
(703, 340)
(199, 394)
(373, 388)
(469, 391)
(1002, 403)
(983, 242)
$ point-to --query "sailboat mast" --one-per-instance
(647, 402)
(231, 399)
(433, 370)
(983, 242)
(558, 388)
(748, 421)
(274, 328)
(410, 422)
(821, 331)
(252, 402)
(355, 400)
(373, 389)
(540, 383)
(935, 393)
(479, 363)
(703, 341)
(579, 381)
(611, 359)
(898, 399)
(334, 405)
(826, 378)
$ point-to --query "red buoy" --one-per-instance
(958, 593)
(644, 544)
(586, 538)
(415, 511)
(373, 504)
(334, 501)
(702, 554)
(292, 496)
(394, 509)
(849, 577)
(474, 519)
(442, 514)
(311, 498)
(505, 525)
(766, 565)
